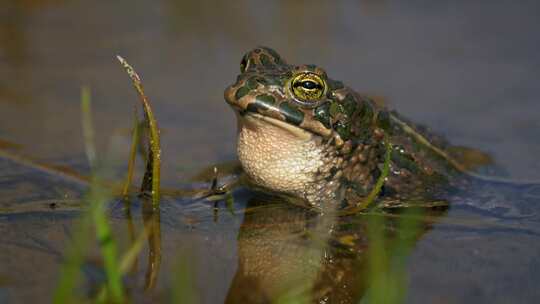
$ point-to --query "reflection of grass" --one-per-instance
(387, 259)
(183, 291)
(297, 295)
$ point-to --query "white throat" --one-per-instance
(277, 155)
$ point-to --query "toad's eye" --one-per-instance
(308, 87)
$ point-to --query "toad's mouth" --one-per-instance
(256, 121)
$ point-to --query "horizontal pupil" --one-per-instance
(309, 85)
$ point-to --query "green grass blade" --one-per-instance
(380, 181)
(372, 196)
(87, 128)
(107, 244)
(97, 198)
(70, 273)
(153, 166)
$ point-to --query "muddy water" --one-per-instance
(470, 71)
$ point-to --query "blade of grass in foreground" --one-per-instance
(70, 273)
(97, 198)
(151, 180)
(127, 261)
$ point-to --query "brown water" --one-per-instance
(468, 70)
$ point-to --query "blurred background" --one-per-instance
(469, 70)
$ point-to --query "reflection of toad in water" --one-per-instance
(286, 251)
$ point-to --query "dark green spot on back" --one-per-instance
(365, 114)
(322, 114)
(383, 120)
(343, 129)
(349, 105)
(335, 109)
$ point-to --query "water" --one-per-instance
(468, 70)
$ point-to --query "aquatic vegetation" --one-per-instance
(183, 290)
(70, 272)
(151, 180)
(98, 196)
(388, 258)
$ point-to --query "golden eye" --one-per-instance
(308, 87)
